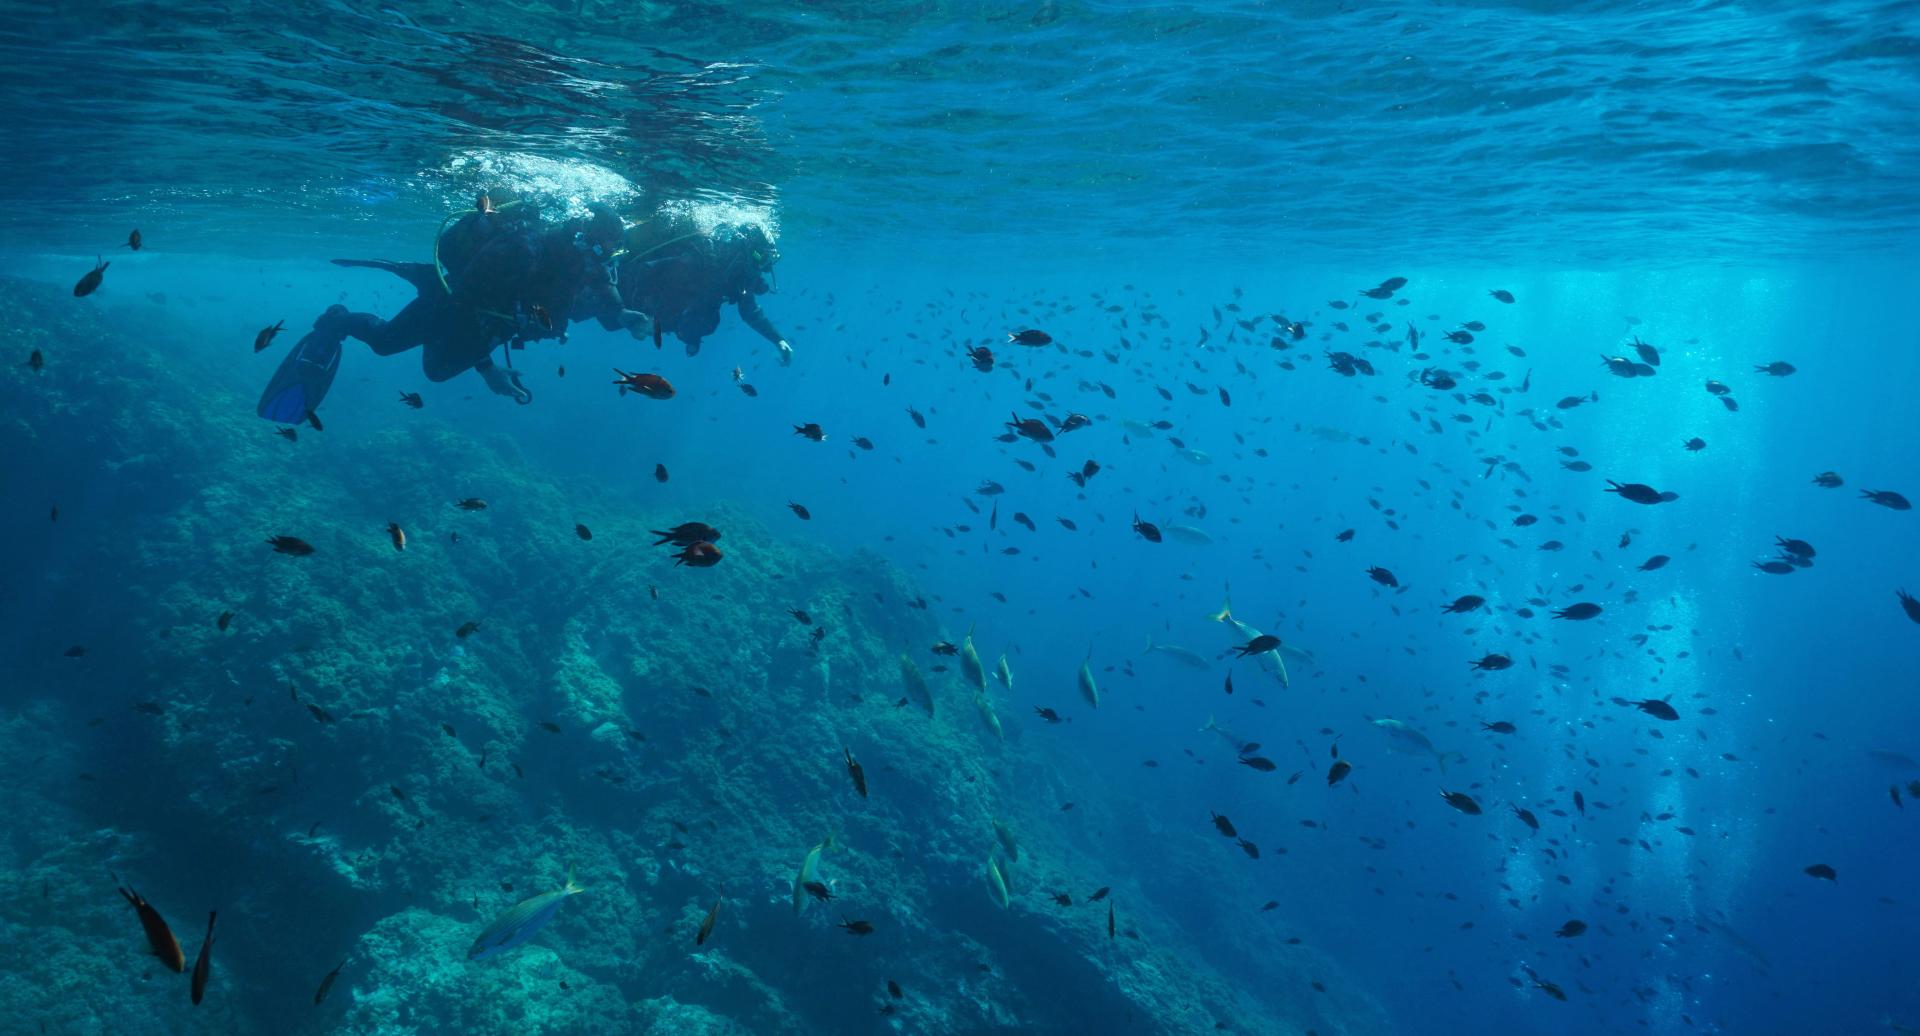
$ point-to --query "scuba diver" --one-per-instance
(509, 277)
(680, 281)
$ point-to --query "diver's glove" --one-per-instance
(786, 353)
(505, 381)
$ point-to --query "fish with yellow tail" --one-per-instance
(1246, 635)
(522, 921)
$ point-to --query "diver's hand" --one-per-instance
(786, 353)
(638, 324)
(505, 382)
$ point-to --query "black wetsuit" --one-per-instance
(682, 291)
(501, 279)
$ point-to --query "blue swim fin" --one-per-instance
(304, 376)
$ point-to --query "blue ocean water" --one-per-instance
(1192, 201)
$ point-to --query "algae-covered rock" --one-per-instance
(345, 776)
(412, 976)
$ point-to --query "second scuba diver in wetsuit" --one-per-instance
(681, 283)
(508, 278)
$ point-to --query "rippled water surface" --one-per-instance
(1586, 132)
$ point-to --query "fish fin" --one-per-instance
(1225, 614)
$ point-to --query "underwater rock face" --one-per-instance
(347, 778)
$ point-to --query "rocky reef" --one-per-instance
(348, 777)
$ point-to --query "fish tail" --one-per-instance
(1225, 614)
(571, 888)
(1210, 724)
(1149, 649)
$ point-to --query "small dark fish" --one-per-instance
(467, 629)
(1571, 929)
(1259, 645)
(1465, 603)
(1252, 850)
(291, 545)
(1886, 498)
(398, 535)
(265, 337)
(473, 503)
(412, 399)
(1461, 801)
(1778, 368)
(856, 927)
(1658, 561)
(1099, 894)
(1492, 663)
(203, 964)
(159, 937)
(1909, 605)
(225, 620)
(1035, 338)
(583, 532)
(917, 418)
(326, 984)
(1526, 817)
(659, 472)
(1578, 612)
(1829, 480)
(1695, 444)
(75, 651)
(288, 434)
(1224, 826)
(35, 361)
(92, 279)
(1047, 714)
(893, 990)
(1338, 772)
(1654, 707)
(1258, 762)
(1346, 536)
(133, 242)
(1640, 493)
(313, 420)
(1797, 548)
(859, 775)
(1147, 530)
(706, 926)
(801, 512)
(1823, 872)
(1501, 295)
(1498, 727)
(810, 431)
(1382, 576)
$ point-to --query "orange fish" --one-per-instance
(159, 936)
(652, 386)
(699, 555)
